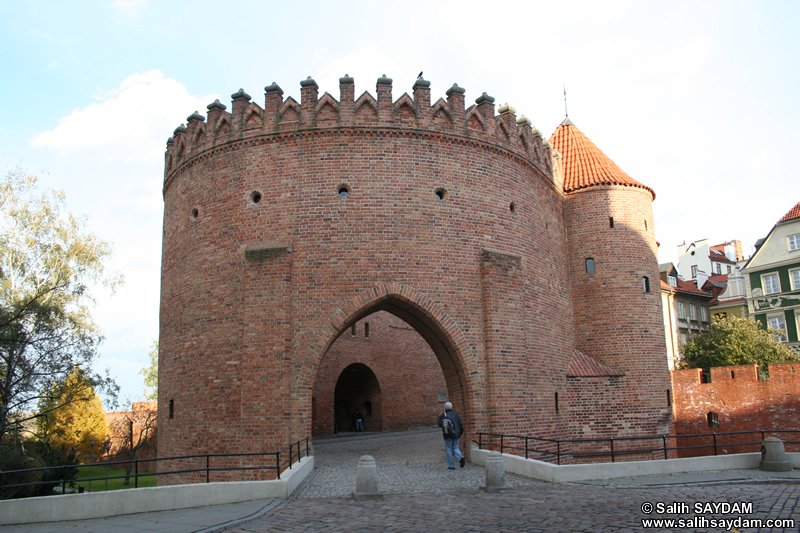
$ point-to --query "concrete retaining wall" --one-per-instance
(566, 473)
(103, 504)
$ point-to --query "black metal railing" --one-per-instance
(614, 448)
(283, 460)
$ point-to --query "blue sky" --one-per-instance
(695, 99)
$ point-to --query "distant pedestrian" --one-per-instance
(452, 429)
(358, 421)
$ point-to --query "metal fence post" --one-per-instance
(480, 441)
(613, 460)
(208, 464)
(715, 443)
(664, 438)
(558, 451)
(526, 446)
(501, 443)
(278, 463)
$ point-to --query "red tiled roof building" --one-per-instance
(615, 276)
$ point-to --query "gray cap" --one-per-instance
(448, 405)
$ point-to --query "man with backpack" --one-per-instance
(452, 429)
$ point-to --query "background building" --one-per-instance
(698, 260)
(773, 278)
(686, 311)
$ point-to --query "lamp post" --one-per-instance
(107, 446)
(91, 460)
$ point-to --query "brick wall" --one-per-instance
(287, 223)
(738, 401)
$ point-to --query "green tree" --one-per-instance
(150, 374)
(735, 341)
(74, 424)
(48, 264)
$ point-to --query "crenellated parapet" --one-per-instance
(408, 114)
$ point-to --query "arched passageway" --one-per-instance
(382, 366)
(357, 394)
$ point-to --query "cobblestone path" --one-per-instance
(411, 461)
(422, 495)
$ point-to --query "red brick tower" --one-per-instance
(285, 225)
(615, 287)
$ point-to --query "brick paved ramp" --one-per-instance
(534, 508)
(422, 495)
(409, 461)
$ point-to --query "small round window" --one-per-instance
(441, 193)
(343, 191)
(195, 213)
(255, 197)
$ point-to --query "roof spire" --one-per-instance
(567, 121)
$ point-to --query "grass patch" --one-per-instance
(99, 485)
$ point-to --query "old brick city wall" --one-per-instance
(285, 224)
(735, 399)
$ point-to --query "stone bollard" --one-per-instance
(773, 456)
(495, 473)
(366, 480)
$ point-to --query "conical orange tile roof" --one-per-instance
(584, 164)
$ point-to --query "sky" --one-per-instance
(696, 99)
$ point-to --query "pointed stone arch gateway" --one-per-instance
(434, 325)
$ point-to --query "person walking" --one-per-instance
(452, 429)
(358, 421)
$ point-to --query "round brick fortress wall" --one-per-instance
(618, 307)
(286, 224)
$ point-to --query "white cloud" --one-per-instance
(130, 7)
(110, 164)
(128, 124)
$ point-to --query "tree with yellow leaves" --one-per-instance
(79, 421)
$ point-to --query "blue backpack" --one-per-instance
(448, 428)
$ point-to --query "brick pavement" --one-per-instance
(534, 508)
(420, 494)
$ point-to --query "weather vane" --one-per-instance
(566, 113)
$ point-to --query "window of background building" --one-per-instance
(771, 284)
(694, 271)
(777, 322)
(729, 269)
(672, 281)
(692, 312)
(703, 316)
(684, 338)
(795, 275)
(794, 242)
(681, 310)
(718, 268)
(589, 265)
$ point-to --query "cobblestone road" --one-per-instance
(422, 495)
